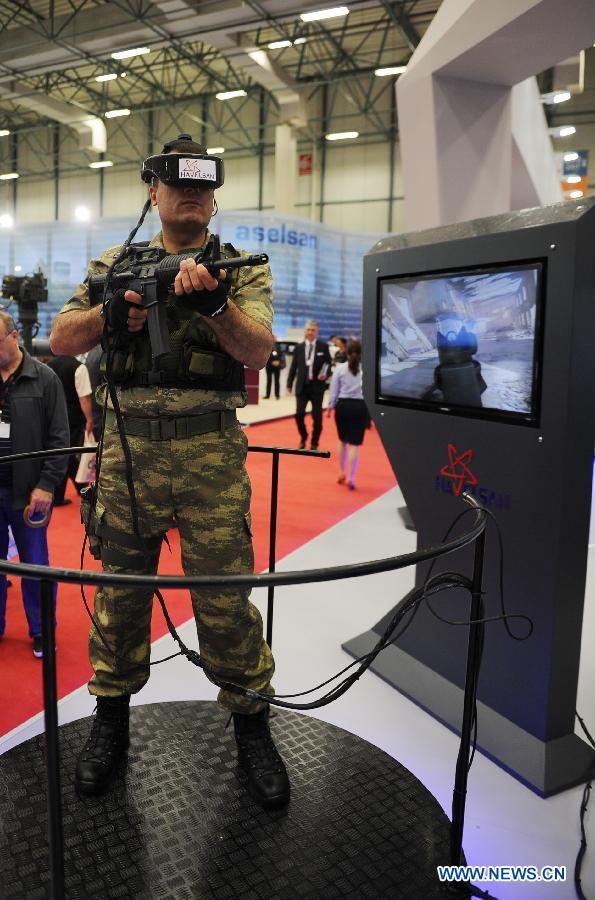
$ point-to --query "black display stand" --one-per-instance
(536, 479)
(178, 823)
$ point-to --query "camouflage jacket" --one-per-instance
(251, 291)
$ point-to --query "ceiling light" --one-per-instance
(341, 135)
(4, 132)
(214, 150)
(82, 213)
(8, 176)
(574, 195)
(390, 70)
(555, 97)
(6, 221)
(561, 131)
(573, 179)
(109, 77)
(18, 268)
(300, 41)
(276, 45)
(126, 54)
(227, 95)
(115, 113)
(319, 14)
(571, 156)
(101, 164)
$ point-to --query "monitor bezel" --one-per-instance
(492, 414)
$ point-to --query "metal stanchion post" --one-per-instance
(474, 648)
(272, 542)
(50, 703)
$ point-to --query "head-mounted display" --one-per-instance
(179, 169)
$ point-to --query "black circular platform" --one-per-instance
(178, 824)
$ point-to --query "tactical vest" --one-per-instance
(194, 360)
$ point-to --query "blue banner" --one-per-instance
(317, 270)
(576, 166)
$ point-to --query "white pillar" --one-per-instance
(474, 139)
(285, 169)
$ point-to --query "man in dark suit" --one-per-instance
(309, 369)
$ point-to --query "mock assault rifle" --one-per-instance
(151, 272)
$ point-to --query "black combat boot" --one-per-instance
(260, 760)
(106, 744)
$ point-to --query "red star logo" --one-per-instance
(457, 469)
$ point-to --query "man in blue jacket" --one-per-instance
(32, 417)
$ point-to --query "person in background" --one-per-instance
(351, 414)
(77, 390)
(32, 417)
(332, 346)
(341, 351)
(309, 369)
(275, 363)
(93, 364)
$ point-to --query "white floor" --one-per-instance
(506, 824)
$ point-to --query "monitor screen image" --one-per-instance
(465, 341)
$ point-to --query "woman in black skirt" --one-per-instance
(351, 414)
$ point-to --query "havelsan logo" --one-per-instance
(274, 235)
(456, 476)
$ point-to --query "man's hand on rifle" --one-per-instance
(208, 292)
(126, 311)
(137, 314)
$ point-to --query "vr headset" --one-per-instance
(180, 168)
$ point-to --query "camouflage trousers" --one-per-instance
(200, 484)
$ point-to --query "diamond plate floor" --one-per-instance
(178, 823)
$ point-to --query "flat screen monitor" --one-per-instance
(466, 341)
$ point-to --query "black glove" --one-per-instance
(209, 303)
(117, 309)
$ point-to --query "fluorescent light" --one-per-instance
(342, 135)
(115, 113)
(300, 41)
(227, 95)
(109, 77)
(82, 213)
(214, 150)
(562, 131)
(126, 54)
(319, 14)
(561, 96)
(574, 195)
(276, 45)
(573, 179)
(8, 176)
(101, 164)
(6, 221)
(4, 132)
(390, 70)
(570, 157)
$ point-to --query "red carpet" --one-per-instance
(310, 501)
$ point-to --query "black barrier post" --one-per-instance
(52, 749)
(474, 649)
(272, 543)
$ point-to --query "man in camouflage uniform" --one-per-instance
(188, 454)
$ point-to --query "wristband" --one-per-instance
(210, 303)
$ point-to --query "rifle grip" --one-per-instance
(157, 324)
